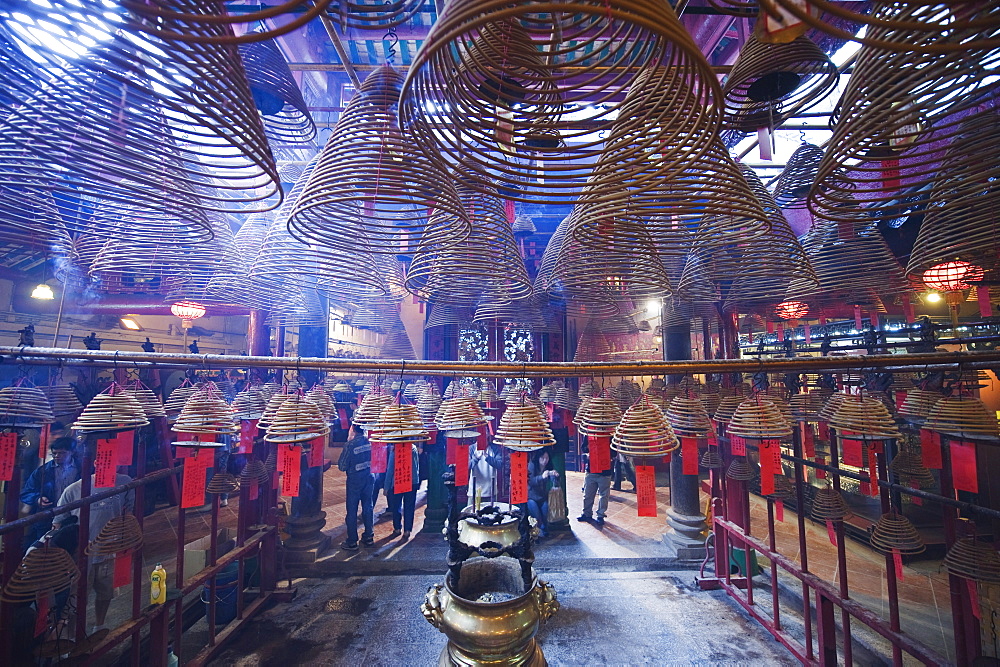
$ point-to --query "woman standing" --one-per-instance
(540, 478)
(403, 505)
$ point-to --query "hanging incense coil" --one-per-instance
(254, 471)
(523, 428)
(567, 399)
(399, 423)
(644, 432)
(323, 401)
(24, 406)
(831, 406)
(371, 407)
(910, 468)
(249, 403)
(894, 532)
(864, 418)
(588, 388)
(625, 394)
(445, 315)
(223, 482)
(972, 559)
(783, 487)
(120, 533)
(297, 419)
(711, 459)
(759, 419)
(150, 402)
(206, 412)
(111, 410)
(62, 400)
(797, 177)
(276, 94)
(829, 505)
(273, 403)
(688, 417)
(791, 74)
(43, 571)
(806, 406)
(740, 469)
(600, 416)
(397, 345)
(271, 462)
(963, 417)
(178, 397)
(727, 408)
(428, 406)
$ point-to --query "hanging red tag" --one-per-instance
(550, 412)
(808, 439)
(689, 456)
(667, 457)
(123, 570)
(908, 309)
(983, 297)
(872, 472)
(402, 469)
(124, 445)
(43, 442)
(316, 451)
(850, 453)
(930, 449)
(857, 317)
(824, 430)
(900, 398)
(973, 587)
(292, 473)
(8, 455)
(645, 490)
(779, 329)
(570, 426)
(737, 445)
(808, 333)
(248, 429)
(193, 477)
(820, 473)
(600, 452)
(482, 441)
(897, 564)
(183, 452)
(890, 175)
(750, 336)
(767, 465)
(380, 458)
(831, 532)
(254, 489)
(345, 424)
(43, 605)
(873, 318)
(770, 327)
(105, 463)
(964, 475)
(713, 438)
(462, 465)
(450, 450)
(779, 510)
(518, 477)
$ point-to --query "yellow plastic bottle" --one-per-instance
(158, 585)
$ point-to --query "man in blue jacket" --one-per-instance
(46, 484)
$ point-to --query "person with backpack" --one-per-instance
(356, 461)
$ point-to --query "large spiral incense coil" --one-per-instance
(397, 345)
(972, 559)
(523, 313)
(523, 428)
(507, 88)
(446, 315)
(829, 505)
(120, 533)
(625, 393)
(373, 184)
(223, 482)
(111, 410)
(206, 412)
(249, 403)
(831, 406)
(254, 471)
(790, 75)
(894, 532)
(62, 400)
(960, 219)
(273, 403)
(23, 405)
(727, 408)
(567, 399)
(399, 423)
(796, 179)
(488, 395)
(599, 416)
(760, 419)
(150, 402)
(276, 94)
(740, 469)
(588, 388)
(178, 397)
(897, 108)
(644, 432)
(298, 419)
(43, 571)
(910, 468)
(806, 406)
(864, 418)
(323, 402)
(688, 417)
(428, 405)
(963, 417)
(371, 407)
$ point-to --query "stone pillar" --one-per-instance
(437, 494)
(687, 539)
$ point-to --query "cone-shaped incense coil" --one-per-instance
(206, 411)
(688, 417)
(567, 399)
(269, 389)
(298, 419)
(24, 406)
(910, 468)
(488, 395)
(250, 403)
(759, 418)
(371, 407)
(797, 177)
(271, 463)
(829, 409)
(727, 408)
(63, 400)
(341, 387)
(523, 428)
(428, 406)
(599, 416)
(43, 571)
(120, 533)
(399, 423)
(459, 414)
(255, 469)
(657, 399)
(711, 459)
(806, 406)
(273, 403)
(111, 412)
(178, 397)
(829, 505)
(963, 416)
(149, 401)
(644, 431)
(895, 531)
(740, 469)
(971, 559)
(917, 405)
(323, 401)
(223, 482)
(783, 487)
(588, 388)
(547, 394)
(865, 419)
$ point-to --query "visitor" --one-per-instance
(541, 476)
(596, 483)
(483, 467)
(623, 470)
(356, 461)
(46, 484)
(402, 505)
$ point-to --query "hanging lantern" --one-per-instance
(952, 276)
(791, 310)
(187, 310)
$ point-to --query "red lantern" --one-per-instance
(187, 310)
(791, 310)
(952, 276)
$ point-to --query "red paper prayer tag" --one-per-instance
(770, 327)
(450, 451)
(850, 453)
(713, 438)
(254, 489)
(808, 333)
(43, 442)
(900, 399)
(964, 475)
(402, 468)
(105, 463)
(123, 569)
(689, 456)
(184, 437)
(872, 472)
(43, 604)
(779, 510)
(600, 452)
(8, 456)
(897, 564)
(831, 532)
(342, 418)
(483, 441)
(820, 473)
(983, 296)
(193, 477)
(930, 449)
(808, 440)
(462, 465)
(645, 490)
(380, 458)
(737, 445)
(292, 473)
(857, 317)
(518, 477)
(890, 174)
(549, 411)
(125, 442)
(248, 429)
(908, 309)
(316, 450)
(824, 431)
(973, 587)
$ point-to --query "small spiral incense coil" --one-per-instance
(150, 402)
(829, 505)
(178, 397)
(797, 177)
(341, 387)
(783, 488)
(276, 94)
(831, 406)
(522, 313)
(588, 388)
(120, 533)
(971, 559)
(600, 416)
(371, 407)
(297, 419)
(323, 401)
(488, 395)
(567, 399)
(399, 423)
(625, 393)
(63, 400)
(910, 468)
(964, 417)
(523, 428)
(111, 411)
(22, 405)
(428, 406)
(43, 571)
(806, 406)
(250, 403)
(759, 419)
(894, 532)
(207, 412)
(740, 469)
(644, 432)
(223, 482)
(254, 471)
(688, 417)
(865, 419)
(711, 459)
(271, 462)
(273, 404)
(727, 408)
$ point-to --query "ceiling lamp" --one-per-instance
(187, 311)
(43, 291)
(791, 310)
(951, 278)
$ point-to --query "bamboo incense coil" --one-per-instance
(567, 399)
(63, 400)
(644, 432)
(207, 412)
(399, 423)
(711, 459)
(249, 403)
(223, 482)
(297, 419)
(963, 417)
(894, 532)
(588, 388)
(488, 395)
(797, 177)
(829, 505)
(150, 402)
(397, 345)
(910, 468)
(600, 416)
(428, 405)
(446, 315)
(111, 410)
(273, 403)
(23, 405)
(727, 408)
(831, 406)
(178, 397)
(740, 469)
(625, 393)
(806, 406)
(688, 417)
(254, 471)
(277, 96)
(323, 401)
(761, 419)
(461, 413)
(120, 533)
(783, 487)
(864, 418)
(523, 428)
(972, 559)
(43, 571)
